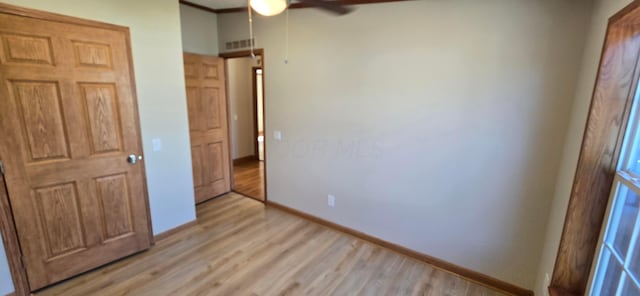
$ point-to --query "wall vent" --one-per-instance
(237, 44)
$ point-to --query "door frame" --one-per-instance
(258, 52)
(256, 130)
(11, 243)
(7, 224)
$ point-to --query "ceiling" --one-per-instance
(220, 4)
(223, 4)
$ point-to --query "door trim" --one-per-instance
(11, 243)
(256, 132)
(243, 54)
(14, 254)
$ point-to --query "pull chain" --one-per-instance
(251, 39)
(286, 36)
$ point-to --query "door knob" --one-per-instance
(133, 159)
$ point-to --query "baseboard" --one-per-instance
(468, 274)
(168, 233)
(245, 159)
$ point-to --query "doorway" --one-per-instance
(245, 84)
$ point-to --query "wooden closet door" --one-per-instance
(206, 100)
(68, 119)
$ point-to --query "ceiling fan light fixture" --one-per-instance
(268, 7)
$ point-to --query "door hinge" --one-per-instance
(1, 168)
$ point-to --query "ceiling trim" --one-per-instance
(292, 6)
(232, 10)
(198, 6)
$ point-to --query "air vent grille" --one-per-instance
(237, 44)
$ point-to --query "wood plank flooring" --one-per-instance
(248, 179)
(239, 247)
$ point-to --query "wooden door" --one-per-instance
(206, 100)
(68, 120)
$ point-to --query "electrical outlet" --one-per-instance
(331, 200)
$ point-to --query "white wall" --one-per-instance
(241, 106)
(6, 283)
(603, 9)
(438, 125)
(159, 73)
(199, 30)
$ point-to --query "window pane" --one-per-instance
(634, 264)
(633, 164)
(625, 213)
(611, 276)
(631, 147)
(630, 288)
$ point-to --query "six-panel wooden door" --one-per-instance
(68, 120)
(206, 101)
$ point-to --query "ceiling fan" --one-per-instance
(274, 7)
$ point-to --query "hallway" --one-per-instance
(248, 179)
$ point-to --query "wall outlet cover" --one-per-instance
(157, 144)
(331, 200)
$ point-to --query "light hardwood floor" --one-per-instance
(248, 179)
(239, 247)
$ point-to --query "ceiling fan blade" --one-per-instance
(330, 6)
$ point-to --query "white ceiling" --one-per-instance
(221, 4)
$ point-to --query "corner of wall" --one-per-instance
(199, 30)
(601, 11)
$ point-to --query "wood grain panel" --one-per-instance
(212, 105)
(216, 161)
(103, 117)
(42, 119)
(91, 54)
(53, 118)
(59, 213)
(191, 70)
(194, 105)
(210, 71)
(27, 49)
(615, 88)
(113, 193)
(197, 167)
(207, 106)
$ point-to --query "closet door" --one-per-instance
(206, 100)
